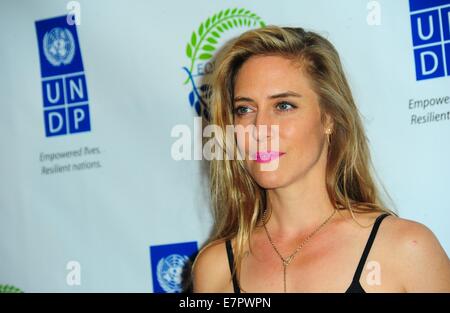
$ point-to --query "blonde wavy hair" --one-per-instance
(238, 201)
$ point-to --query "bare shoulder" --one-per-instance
(410, 237)
(210, 270)
(419, 259)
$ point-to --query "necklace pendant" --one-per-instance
(287, 261)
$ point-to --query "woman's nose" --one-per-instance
(262, 126)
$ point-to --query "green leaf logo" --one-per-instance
(9, 289)
(204, 40)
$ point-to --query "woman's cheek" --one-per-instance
(291, 133)
(242, 145)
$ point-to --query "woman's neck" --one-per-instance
(297, 208)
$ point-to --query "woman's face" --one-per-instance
(273, 91)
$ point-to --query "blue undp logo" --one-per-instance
(64, 89)
(430, 25)
(170, 265)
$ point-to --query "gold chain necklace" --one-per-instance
(287, 261)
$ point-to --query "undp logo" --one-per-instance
(430, 25)
(170, 266)
(66, 108)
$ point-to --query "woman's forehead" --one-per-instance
(271, 75)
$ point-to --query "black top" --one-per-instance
(355, 286)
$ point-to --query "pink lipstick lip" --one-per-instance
(267, 156)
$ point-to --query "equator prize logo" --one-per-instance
(202, 45)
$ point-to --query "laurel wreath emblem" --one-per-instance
(204, 40)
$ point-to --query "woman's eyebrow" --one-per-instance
(285, 95)
(275, 96)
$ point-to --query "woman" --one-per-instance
(315, 222)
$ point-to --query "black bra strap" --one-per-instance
(369, 243)
(231, 263)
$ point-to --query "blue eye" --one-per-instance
(238, 110)
(285, 106)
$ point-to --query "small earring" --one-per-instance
(328, 132)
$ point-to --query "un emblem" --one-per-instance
(169, 272)
(59, 46)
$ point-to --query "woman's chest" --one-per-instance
(326, 265)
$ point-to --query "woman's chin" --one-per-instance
(268, 180)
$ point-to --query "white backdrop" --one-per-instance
(107, 227)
